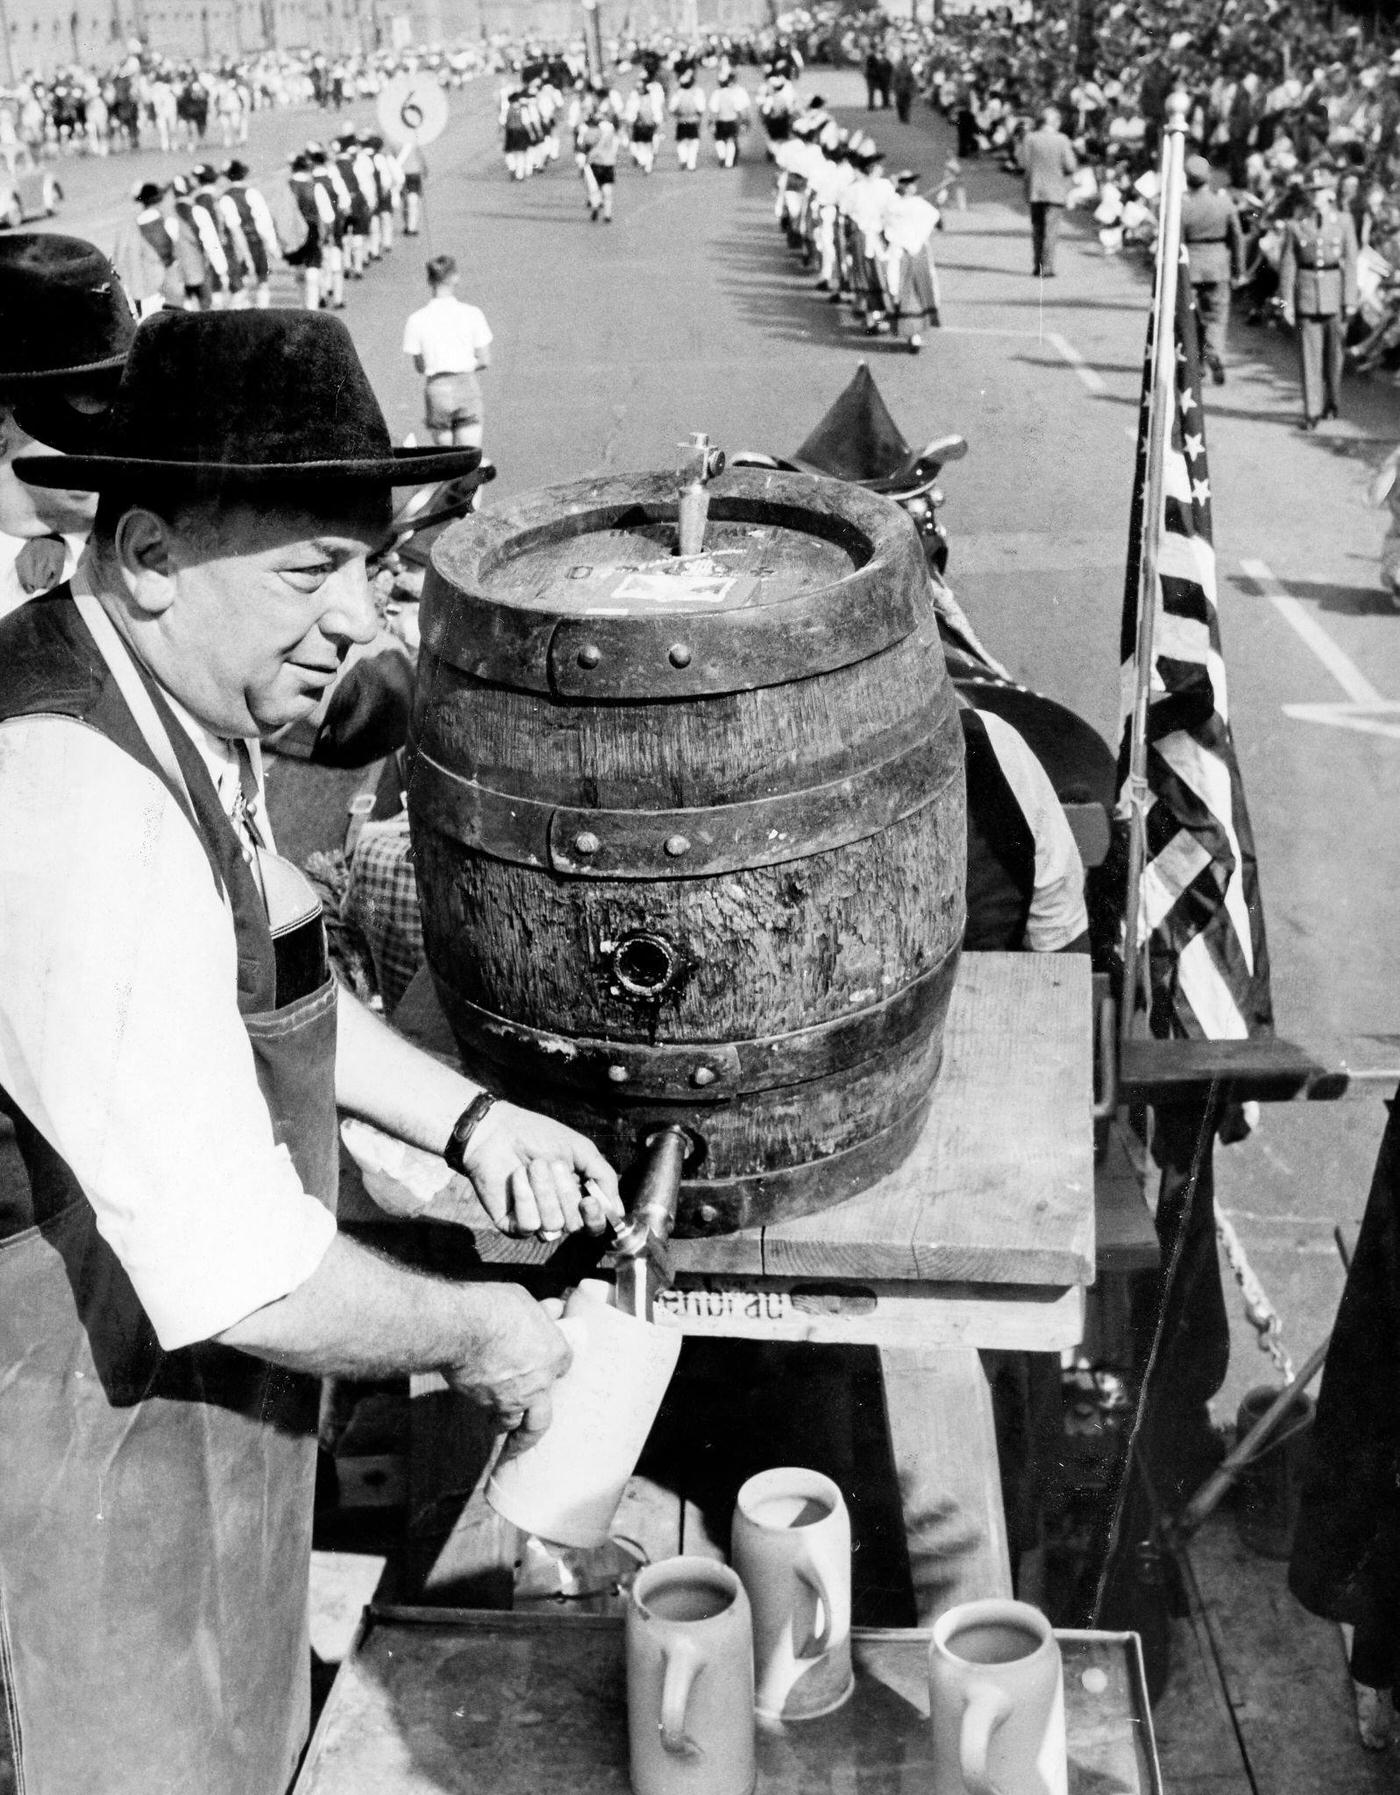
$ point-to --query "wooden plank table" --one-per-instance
(982, 1238)
(444, 1702)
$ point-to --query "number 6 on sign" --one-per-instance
(412, 109)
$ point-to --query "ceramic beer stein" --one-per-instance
(996, 1702)
(690, 1680)
(566, 1488)
(791, 1545)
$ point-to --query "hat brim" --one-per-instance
(110, 364)
(98, 473)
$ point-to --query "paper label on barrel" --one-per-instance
(614, 590)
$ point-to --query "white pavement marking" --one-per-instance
(1344, 670)
(1364, 711)
(1088, 379)
(985, 330)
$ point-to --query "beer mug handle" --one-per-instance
(820, 1643)
(683, 1664)
(986, 1709)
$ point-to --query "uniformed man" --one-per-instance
(64, 329)
(1317, 287)
(1210, 228)
(147, 254)
(173, 1051)
(247, 223)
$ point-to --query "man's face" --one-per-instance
(260, 608)
(29, 511)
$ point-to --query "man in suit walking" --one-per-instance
(1210, 229)
(1047, 160)
(1317, 284)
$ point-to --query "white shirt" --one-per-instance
(1058, 914)
(447, 333)
(120, 1037)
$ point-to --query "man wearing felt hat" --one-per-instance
(64, 329)
(1318, 290)
(174, 1051)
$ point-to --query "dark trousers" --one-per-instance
(1213, 309)
(1320, 357)
(1045, 228)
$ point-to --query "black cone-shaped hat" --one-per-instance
(857, 439)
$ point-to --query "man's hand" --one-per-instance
(537, 1176)
(512, 1374)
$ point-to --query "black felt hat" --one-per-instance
(63, 314)
(266, 400)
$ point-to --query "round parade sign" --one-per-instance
(412, 109)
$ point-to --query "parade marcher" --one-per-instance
(910, 274)
(642, 115)
(414, 170)
(599, 138)
(687, 108)
(174, 1051)
(317, 215)
(357, 204)
(150, 255)
(1317, 288)
(202, 242)
(450, 342)
(1047, 161)
(337, 203)
(225, 272)
(65, 326)
(862, 204)
(516, 137)
(1210, 229)
(777, 106)
(388, 181)
(729, 114)
(248, 225)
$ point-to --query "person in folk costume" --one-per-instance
(65, 327)
(1318, 290)
(386, 185)
(147, 252)
(793, 157)
(862, 205)
(368, 183)
(337, 204)
(538, 153)
(642, 116)
(601, 173)
(413, 173)
(550, 102)
(248, 222)
(910, 275)
(829, 180)
(316, 215)
(357, 205)
(729, 113)
(226, 273)
(173, 1283)
(196, 269)
(580, 110)
(516, 138)
(777, 105)
(687, 108)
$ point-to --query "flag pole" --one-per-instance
(1161, 406)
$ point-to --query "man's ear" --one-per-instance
(142, 542)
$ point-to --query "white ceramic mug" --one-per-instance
(997, 1702)
(690, 1680)
(791, 1546)
(567, 1488)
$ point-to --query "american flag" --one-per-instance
(1200, 913)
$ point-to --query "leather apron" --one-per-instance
(156, 1507)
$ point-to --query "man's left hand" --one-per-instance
(534, 1175)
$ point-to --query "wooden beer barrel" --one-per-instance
(689, 835)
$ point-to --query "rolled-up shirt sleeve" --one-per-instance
(121, 1040)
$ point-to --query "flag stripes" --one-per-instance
(1201, 919)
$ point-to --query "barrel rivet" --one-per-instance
(679, 655)
(703, 1075)
(590, 655)
(586, 843)
(708, 1214)
(618, 1074)
(676, 845)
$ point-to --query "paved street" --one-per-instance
(613, 342)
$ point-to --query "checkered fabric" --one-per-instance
(381, 902)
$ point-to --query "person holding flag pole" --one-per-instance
(1195, 961)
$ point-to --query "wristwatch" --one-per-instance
(464, 1128)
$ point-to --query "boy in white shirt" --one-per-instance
(450, 342)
